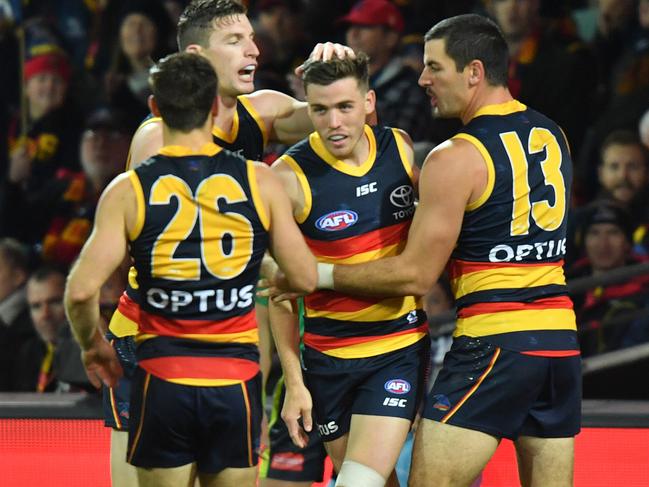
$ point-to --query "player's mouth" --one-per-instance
(433, 98)
(248, 73)
(337, 140)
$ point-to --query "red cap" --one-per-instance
(48, 63)
(375, 12)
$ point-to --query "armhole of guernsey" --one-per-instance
(566, 140)
(491, 172)
(139, 197)
(304, 184)
(256, 197)
(403, 153)
(143, 124)
(254, 114)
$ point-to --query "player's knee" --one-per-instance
(354, 474)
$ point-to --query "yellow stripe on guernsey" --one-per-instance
(385, 310)
(249, 336)
(318, 146)
(516, 277)
(491, 171)
(304, 184)
(121, 326)
(254, 114)
(403, 152)
(376, 347)
(388, 251)
(139, 197)
(519, 320)
(256, 197)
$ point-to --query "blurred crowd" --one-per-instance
(74, 89)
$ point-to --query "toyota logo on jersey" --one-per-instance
(402, 197)
(337, 220)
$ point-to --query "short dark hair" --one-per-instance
(45, 272)
(16, 254)
(472, 36)
(327, 72)
(623, 137)
(184, 86)
(197, 20)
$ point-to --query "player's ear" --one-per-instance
(153, 106)
(215, 106)
(194, 49)
(476, 72)
(370, 101)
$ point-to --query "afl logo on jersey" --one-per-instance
(402, 197)
(397, 386)
(337, 220)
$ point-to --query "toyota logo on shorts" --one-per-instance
(402, 197)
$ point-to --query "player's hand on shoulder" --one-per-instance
(325, 51)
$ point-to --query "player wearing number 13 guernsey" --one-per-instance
(494, 199)
(197, 220)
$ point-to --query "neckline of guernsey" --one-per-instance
(319, 148)
(208, 149)
(506, 108)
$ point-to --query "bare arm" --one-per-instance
(287, 245)
(146, 142)
(101, 255)
(286, 117)
(297, 402)
(452, 176)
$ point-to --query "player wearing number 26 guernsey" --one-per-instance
(196, 220)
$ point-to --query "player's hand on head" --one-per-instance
(326, 51)
(297, 406)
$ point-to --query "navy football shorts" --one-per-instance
(505, 393)
(115, 400)
(174, 424)
(390, 384)
(285, 461)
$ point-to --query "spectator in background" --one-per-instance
(284, 45)
(623, 177)
(55, 358)
(622, 61)
(547, 67)
(602, 310)
(374, 27)
(144, 31)
(62, 211)
(52, 133)
(16, 327)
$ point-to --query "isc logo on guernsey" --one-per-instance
(337, 220)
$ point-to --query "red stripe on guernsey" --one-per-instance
(457, 267)
(350, 246)
(336, 302)
(323, 343)
(159, 325)
(558, 302)
(200, 368)
(129, 308)
(552, 353)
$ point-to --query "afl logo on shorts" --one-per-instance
(337, 220)
(397, 386)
